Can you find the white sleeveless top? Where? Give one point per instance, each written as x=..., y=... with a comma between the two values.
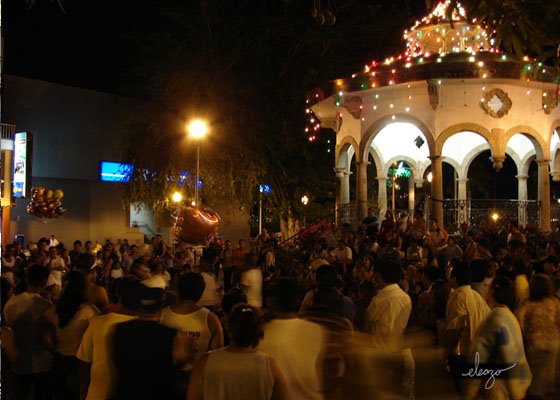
x=193, y=325
x=230, y=375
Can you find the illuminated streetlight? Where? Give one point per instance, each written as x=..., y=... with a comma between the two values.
x=197, y=130
x=304, y=201
x=177, y=197
x=494, y=216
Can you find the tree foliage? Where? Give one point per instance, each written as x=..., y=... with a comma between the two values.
x=522, y=26
x=245, y=67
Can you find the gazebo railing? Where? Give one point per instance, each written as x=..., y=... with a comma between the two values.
x=478, y=211
x=473, y=211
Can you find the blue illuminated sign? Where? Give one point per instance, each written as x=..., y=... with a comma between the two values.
x=21, y=171
x=115, y=172
x=265, y=189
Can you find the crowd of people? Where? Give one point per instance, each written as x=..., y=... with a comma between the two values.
x=325, y=319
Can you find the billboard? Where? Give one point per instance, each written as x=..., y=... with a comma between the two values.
x=110, y=171
x=21, y=172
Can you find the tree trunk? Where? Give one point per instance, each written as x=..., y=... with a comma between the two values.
x=289, y=226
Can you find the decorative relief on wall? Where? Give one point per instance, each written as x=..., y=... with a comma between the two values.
x=353, y=105
x=549, y=100
x=496, y=103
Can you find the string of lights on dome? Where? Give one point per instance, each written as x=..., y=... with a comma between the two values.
x=442, y=45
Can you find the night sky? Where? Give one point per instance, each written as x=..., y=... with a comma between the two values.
x=82, y=47
x=87, y=45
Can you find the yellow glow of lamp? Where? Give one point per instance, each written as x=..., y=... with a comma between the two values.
x=197, y=129
x=495, y=216
x=430, y=177
x=176, y=197
x=304, y=200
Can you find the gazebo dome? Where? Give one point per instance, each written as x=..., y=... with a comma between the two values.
x=446, y=31
x=448, y=97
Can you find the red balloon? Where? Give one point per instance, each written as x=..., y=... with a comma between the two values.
x=194, y=225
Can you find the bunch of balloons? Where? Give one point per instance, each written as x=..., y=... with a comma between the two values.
x=46, y=203
x=194, y=224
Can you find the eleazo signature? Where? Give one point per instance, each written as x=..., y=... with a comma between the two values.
x=477, y=372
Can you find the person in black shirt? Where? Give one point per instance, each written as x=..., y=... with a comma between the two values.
x=146, y=352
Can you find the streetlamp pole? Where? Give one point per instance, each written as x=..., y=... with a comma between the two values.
x=197, y=174
x=260, y=212
x=197, y=130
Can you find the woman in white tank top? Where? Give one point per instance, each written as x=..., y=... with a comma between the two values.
x=238, y=371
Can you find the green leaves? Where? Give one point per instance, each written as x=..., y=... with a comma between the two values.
x=523, y=27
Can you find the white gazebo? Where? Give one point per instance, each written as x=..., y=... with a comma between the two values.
x=448, y=98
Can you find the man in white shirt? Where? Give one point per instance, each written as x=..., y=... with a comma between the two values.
x=297, y=345
x=389, y=311
x=97, y=370
x=24, y=313
x=251, y=283
x=53, y=242
x=342, y=255
x=387, y=317
x=465, y=311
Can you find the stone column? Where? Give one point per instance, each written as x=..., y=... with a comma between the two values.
x=382, y=195
x=411, y=195
x=544, y=195
x=462, y=200
x=522, y=199
x=361, y=189
x=344, y=177
x=437, y=189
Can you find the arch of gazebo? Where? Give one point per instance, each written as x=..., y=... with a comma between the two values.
x=424, y=110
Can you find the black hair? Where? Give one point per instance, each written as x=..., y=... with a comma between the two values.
x=431, y=273
x=191, y=286
x=479, y=269
x=77, y=242
x=389, y=270
x=284, y=295
x=149, y=299
x=505, y=273
x=540, y=287
x=233, y=297
x=555, y=245
x=462, y=273
x=245, y=326
x=328, y=299
x=538, y=267
x=85, y=261
x=366, y=289
x=519, y=267
x=551, y=260
x=326, y=275
x=137, y=263
x=72, y=297
x=127, y=291
x=37, y=275
x=503, y=290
